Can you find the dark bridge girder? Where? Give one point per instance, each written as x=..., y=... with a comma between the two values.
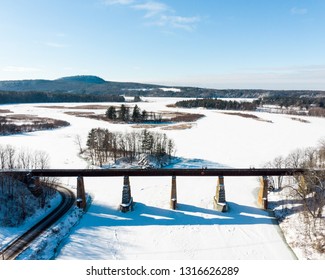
x=158, y=172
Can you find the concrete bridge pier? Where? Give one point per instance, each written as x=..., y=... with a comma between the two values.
x=219, y=199
x=173, y=194
x=302, y=184
x=81, y=194
x=262, y=194
x=127, y=200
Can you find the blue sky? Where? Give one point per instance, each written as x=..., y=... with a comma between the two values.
x=269, y=44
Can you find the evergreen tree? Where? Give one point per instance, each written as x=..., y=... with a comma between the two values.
x=124, y=114
x=147, y=141
x=144, y=115
x=111, y=113
x=136, y=115
x=137, y=98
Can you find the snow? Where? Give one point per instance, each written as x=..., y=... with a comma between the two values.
x=171, y=89
x=194, y=230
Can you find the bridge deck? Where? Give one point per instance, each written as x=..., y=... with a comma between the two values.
x=158, y=172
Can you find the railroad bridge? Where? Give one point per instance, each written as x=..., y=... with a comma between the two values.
x=220, y=203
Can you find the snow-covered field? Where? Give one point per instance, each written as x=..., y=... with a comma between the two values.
x=194, y=230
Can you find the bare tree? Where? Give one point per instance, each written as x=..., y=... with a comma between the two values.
x=78, y=141
x=310, y=158
x=321, y=153
x=278, y=162
x=11, y=156
x=308, y=192
x=3, y=158
x=295, y=159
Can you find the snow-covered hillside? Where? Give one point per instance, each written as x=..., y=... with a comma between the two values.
x=194, y=230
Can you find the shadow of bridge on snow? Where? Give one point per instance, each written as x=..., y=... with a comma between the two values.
x=145, y=215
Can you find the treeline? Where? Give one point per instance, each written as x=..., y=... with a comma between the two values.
x=314, y=106
x=16, y=200
x=311, y=106
x=211, y=103
x=135, y=114
x=104, y=145
x=301, y=102
x=14, y=97
x=7, y=127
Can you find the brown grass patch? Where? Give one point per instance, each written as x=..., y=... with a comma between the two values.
x=180, y=116
x=5, y=111
x=90, y=115
x=80, y=114
x=300, y=120
x=79, y=107
x=52, y=107
x=91, y=107
x=248, y=116
x=178, y=126
x=25, y=118
x=22, y=117
x=147, y=126
x=22, y=123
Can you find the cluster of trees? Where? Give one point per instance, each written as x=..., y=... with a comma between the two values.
x=104, y=145
x=8, y=127
x=306, y=193
x=135, y=114
x=11, y=158
x=316, y=112
x=17, y=201
x=290, y=101
x=314, y=105
x=14, y=97
x=211, y=103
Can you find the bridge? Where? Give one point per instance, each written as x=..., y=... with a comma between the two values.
x=31, y=177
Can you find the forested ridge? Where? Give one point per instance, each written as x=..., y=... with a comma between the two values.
x=14, y=97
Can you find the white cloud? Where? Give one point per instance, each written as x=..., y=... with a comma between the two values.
x=186, y=23
x=298, y=11
x=118, y=2
x=159, y=14
x=20, y=69
x=54, y=45
x=152, y=8
x=162, y=15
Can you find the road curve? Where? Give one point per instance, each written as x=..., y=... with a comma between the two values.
x=22, y=242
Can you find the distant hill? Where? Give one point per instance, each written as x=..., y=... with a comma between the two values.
x=73, y=84
x=93, y=85
x=82, y=79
